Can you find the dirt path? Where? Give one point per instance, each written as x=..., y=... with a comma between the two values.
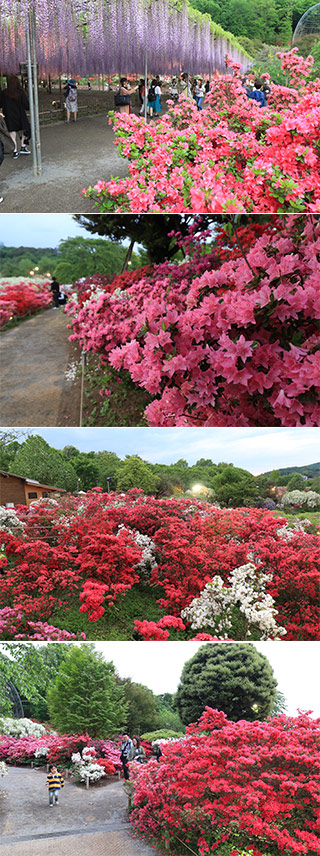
x=74, y=156
x=38, y=365
x=85, y=822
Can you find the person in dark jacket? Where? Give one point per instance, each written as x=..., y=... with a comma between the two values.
x=14, y=103
x=55, y=288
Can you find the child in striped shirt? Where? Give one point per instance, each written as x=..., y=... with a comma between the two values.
x=54, y=784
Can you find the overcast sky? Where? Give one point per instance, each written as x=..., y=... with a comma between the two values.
x=255, y=449
x=38, y=230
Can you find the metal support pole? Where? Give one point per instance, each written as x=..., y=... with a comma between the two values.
x=30, y=93
x=145, y=84
x=35, y=92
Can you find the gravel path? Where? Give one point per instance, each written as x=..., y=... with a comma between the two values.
x=38, y=365
x=86, y=822
x=74, y=156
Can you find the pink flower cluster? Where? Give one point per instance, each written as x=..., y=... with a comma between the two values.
x=232, y=343
x=231, y=156
x=14, y=625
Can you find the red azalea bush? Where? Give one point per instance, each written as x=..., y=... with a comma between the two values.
x=23, y=299
x=231, y=156
x=94, y=555
x=234, y=785
x=228, y=338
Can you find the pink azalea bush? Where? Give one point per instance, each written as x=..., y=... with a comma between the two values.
x=215, y=342
x=57, y=749
x=232, y=156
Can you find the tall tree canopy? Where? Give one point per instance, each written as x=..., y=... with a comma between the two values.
x=234, y=678
x=35, y=459
x=86, y=695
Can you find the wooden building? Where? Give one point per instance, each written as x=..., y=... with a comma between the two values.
x=17, y=490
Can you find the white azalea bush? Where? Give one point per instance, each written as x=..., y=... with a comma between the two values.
x=21, y=727
x=301, y=499
x=9, y=521
x=246, y=589
x=3, y=769
x=148, y=561
x=288, y=531
x=85, y=766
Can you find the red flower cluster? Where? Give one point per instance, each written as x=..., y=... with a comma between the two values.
x=86, y=547
x=23, y=299
x=254, y=785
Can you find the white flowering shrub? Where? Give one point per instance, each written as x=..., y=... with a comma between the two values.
x=85, y=766
x=21, y=727
x=9, y=521
x=287, y=532
x=41, y=752
x=309, y=499
x=246, y=589
x=44, y=501
x=3, y=769
x=148, y=561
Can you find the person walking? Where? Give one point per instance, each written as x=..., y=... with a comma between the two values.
x=54, y=784
x=71, y=96
x=126, y=749
x=14, y=103
x=55, y=289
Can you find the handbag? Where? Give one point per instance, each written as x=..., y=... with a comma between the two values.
x=121, y=99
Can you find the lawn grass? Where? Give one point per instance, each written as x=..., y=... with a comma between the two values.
x=293, y=517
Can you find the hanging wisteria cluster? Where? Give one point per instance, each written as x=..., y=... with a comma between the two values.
x=113, y=36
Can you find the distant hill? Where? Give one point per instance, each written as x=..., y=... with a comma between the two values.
x=310, y=470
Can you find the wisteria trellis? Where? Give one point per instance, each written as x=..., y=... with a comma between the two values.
x=110, y=36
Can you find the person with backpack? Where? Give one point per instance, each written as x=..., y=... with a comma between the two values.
x=122, y=98
x=71, y=96
x=152, y=97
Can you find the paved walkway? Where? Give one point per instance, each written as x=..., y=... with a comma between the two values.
x=86, y=822
x=38, y=365
x=74, y=156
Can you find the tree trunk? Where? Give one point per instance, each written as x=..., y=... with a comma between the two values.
x=128, y=255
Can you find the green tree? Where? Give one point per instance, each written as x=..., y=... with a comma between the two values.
x=296, y=482
x=279, y=705
x=136, y=473
x=234, y=678
x=31, y=670
x=86, y=467
x=152, y=232
x=168, y=714
x=86, y=695
x=235, y=487
x=35, y=459
x=142, y=713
